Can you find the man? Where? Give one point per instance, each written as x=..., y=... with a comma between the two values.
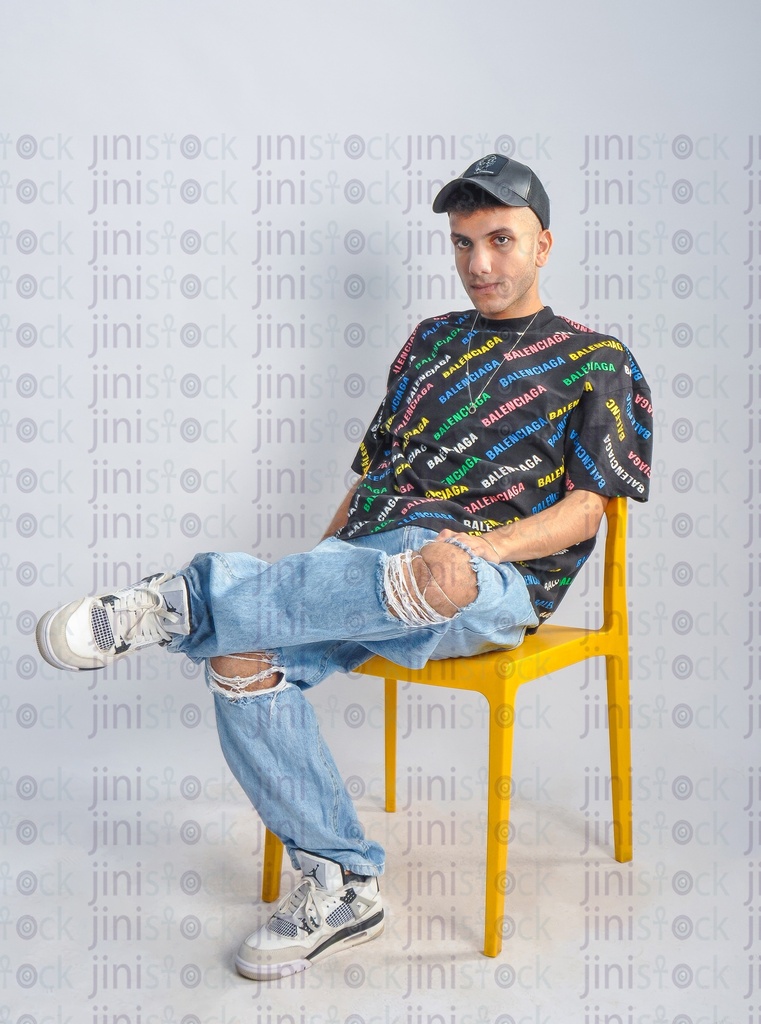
x=483, y=479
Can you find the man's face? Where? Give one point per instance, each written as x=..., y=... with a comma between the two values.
x=498, y=252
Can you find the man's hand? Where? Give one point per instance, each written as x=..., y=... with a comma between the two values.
x=574, y=518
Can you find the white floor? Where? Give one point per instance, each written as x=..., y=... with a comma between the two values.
x=132, y=870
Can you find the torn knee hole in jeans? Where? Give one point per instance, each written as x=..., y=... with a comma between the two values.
x=404, y=597
x=236, y=688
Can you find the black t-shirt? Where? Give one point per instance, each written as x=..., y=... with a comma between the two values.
x=483, y=424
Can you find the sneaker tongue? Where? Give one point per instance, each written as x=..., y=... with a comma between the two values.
x=175, y=594
x=327, y=874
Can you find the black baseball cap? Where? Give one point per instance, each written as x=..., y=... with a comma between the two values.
x=510, y=182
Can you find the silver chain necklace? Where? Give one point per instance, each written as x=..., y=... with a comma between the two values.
x=472, y=407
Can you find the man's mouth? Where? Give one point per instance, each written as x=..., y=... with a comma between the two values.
x=484, y=286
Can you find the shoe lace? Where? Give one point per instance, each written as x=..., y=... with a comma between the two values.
x=139, y=612
x=299, y=907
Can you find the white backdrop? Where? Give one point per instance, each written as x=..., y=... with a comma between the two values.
x=215, y=233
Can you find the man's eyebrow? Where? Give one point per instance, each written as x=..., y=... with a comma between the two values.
x=489, y=234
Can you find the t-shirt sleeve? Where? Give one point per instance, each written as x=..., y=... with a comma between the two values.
x=375, y=440
x=609, y=442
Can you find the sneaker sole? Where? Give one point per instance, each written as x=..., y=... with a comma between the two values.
x=340, y=941
x=46, y=652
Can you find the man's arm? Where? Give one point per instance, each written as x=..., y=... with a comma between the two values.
x=574, y=518
x=341, y=516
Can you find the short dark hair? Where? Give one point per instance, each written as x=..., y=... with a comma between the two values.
x=468, y=198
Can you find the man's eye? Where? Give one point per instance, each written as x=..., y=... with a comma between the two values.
x=461, y=243
x=502, y=239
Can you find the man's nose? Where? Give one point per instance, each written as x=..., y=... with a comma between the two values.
x=480, y=263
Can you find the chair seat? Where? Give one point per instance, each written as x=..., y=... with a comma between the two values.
x=548, y=650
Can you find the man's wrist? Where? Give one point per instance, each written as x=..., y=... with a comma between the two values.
x=489, y=539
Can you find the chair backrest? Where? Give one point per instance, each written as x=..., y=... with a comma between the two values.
x=615, y=610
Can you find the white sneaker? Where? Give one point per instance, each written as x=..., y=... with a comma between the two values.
x=330, y=910
x=94, y=631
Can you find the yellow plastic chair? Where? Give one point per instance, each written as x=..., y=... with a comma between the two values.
x=497, y=676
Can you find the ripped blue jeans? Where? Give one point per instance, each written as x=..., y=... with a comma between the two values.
x=316, y=613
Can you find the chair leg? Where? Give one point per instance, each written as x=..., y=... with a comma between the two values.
x=390, y=705
x=501, y=721
x=272, y=868
x=619, y=729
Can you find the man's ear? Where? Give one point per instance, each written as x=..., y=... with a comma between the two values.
x=543, y=246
